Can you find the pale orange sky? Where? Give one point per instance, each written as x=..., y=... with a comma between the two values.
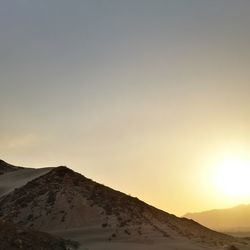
x=144, y=96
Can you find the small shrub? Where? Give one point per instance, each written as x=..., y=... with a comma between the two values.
x=233, y=248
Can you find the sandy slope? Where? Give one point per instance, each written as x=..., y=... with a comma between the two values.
x=10, y=181
x=95, y=239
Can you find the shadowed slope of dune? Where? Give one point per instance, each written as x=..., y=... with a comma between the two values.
x=12, y=177
x=6, y=167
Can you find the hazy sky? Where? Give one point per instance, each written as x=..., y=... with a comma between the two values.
x=141, y=95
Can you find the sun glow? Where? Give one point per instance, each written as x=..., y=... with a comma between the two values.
x=232, y=177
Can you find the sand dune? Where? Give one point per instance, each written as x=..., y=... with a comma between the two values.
x=65, y=203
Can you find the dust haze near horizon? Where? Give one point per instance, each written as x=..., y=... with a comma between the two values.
x=143, y=96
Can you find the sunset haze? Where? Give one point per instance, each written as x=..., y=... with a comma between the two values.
x=149, y=97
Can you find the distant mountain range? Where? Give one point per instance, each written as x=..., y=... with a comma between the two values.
x=229, y=219
x=66, y=204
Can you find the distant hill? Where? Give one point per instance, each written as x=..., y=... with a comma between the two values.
x=230, y=219
x=65, y=203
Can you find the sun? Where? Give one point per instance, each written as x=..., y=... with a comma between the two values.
x=232, y=176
